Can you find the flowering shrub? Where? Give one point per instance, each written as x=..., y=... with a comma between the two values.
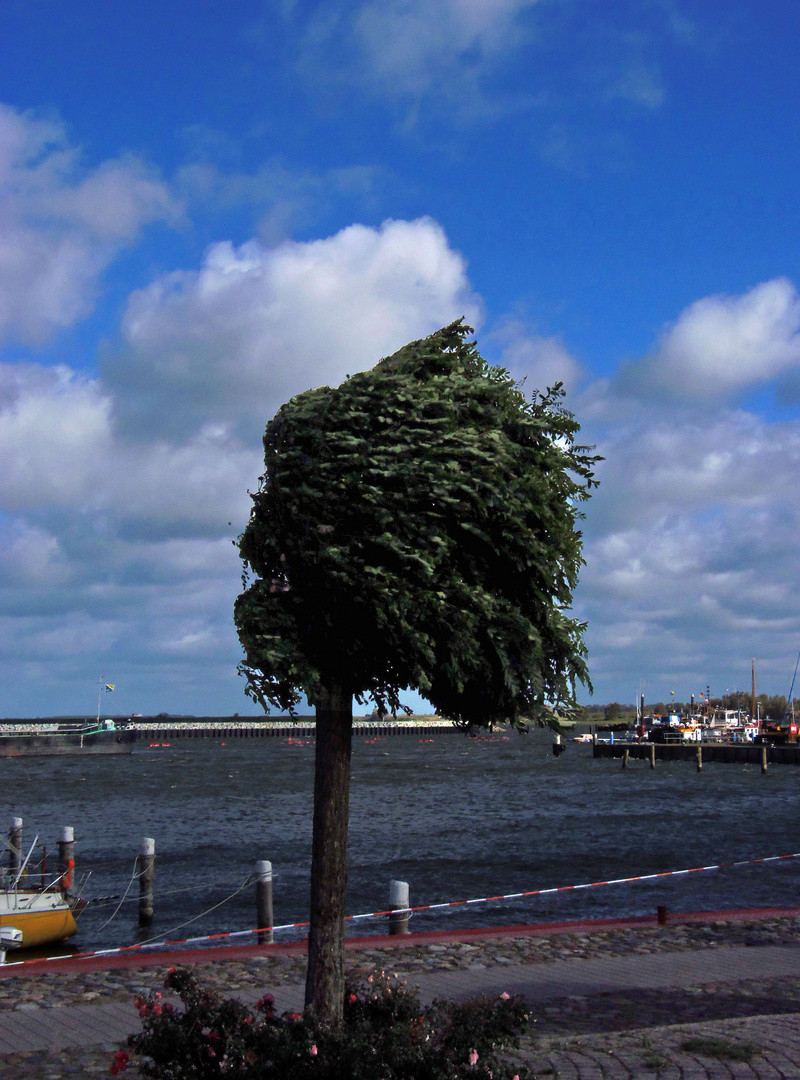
x=386, y=1035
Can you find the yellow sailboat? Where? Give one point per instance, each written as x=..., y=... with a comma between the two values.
x=42, y=914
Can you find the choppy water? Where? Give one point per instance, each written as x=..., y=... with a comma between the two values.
x=455, y=817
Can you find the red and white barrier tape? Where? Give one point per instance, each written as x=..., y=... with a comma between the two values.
x=409, y=910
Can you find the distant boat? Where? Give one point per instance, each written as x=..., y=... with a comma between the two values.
x=91, y=737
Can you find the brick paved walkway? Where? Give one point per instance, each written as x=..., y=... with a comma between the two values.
x=773, y=1041
x=31, y=1039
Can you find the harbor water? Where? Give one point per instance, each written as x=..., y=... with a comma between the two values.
x=457, y=817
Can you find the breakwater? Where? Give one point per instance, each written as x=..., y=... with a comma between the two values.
x=282, y=729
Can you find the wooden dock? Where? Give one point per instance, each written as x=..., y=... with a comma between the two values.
x=741, y=753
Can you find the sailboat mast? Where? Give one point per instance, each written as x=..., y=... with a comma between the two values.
x=99, y=696
x=755, y=718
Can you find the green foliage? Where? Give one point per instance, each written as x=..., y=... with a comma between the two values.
x=722, y=1049
x=773, y=706
x=385, y=1035
x=416, y=527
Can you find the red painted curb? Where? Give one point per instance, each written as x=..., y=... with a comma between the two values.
x=221, y=953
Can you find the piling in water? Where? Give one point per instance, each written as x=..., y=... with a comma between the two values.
x=398, y=899
x=66, y=860
x=147, y=860
x=15, y=845
x=264, y=901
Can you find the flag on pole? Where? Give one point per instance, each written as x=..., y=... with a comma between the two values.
x=109, y=687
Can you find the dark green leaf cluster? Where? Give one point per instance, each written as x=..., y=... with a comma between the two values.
x=416, y=527
x=386, y=1034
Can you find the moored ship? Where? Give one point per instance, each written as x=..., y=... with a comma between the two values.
x=90, y=737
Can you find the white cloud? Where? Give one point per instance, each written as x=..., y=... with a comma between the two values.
x=411, y=51
x=540, y=361
x=692, y=565
x=116, y=540
x=54, y=437
x=640, y=83
x=410, y=44
x=721, y=345
x=60, y=455
x=61, y=224
x=285, y=199
x=29, y=556
x=229, y=343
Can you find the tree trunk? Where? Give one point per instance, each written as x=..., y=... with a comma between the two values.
x=325, y=977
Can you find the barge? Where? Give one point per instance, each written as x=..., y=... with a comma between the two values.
x=48, y=740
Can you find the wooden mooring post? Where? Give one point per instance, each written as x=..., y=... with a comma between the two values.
x=264, y=902
x=147, y=860
x=652, y=755
x=398, y=899
x=625, y=757
x=699, y=757
x=66, y=860
x=15, y=846
x=764, y=765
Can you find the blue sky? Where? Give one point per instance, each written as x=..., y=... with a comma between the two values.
x=207, y=208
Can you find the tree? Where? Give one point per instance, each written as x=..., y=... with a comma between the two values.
x=415, y=527
x=612, y=713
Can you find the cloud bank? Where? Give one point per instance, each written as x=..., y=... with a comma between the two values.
x=722, y=345
x=692, y=567
x=121, y=493
x=228, y=343
x=122, y=488
x=62, y=224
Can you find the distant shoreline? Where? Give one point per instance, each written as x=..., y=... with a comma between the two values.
x=186, y=718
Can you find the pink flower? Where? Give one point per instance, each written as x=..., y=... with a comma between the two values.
x=473, y=1056
x=505, y=996
x=120, y=1063
x=313, y=1051
x=352, y=998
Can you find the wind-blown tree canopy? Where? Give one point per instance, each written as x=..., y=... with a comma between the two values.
x=416, y=527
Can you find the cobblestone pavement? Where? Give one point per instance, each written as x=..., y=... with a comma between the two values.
x=74, y=988
x=759, y=1047
x=586, y=1037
